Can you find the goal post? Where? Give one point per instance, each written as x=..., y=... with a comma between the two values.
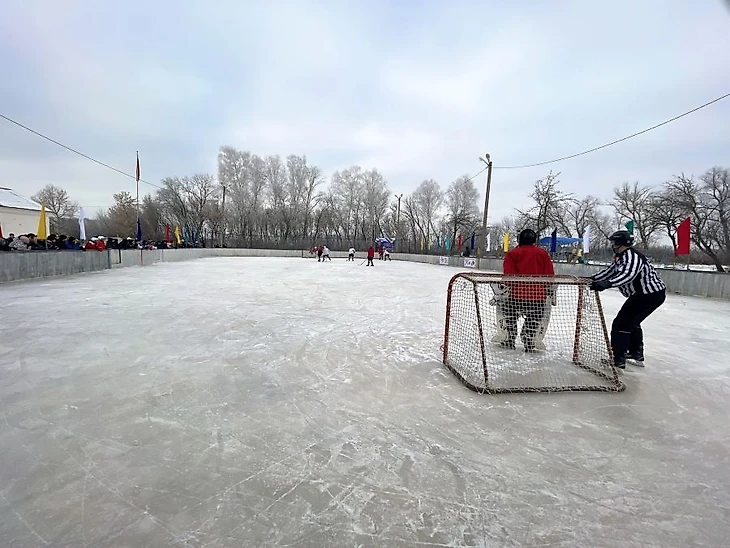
x=508, y=334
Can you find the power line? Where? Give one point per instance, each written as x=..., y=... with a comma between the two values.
x=75, y=151
x=617, y=140
x=523, y=166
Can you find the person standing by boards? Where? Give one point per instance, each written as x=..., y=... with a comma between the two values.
x=638, y=281
x=371, y=256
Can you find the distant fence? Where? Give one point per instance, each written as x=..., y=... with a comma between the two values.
x=16, y=266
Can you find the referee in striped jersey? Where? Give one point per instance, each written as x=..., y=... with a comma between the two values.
x=644, y=290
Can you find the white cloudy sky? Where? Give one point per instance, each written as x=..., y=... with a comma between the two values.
x=418, y=89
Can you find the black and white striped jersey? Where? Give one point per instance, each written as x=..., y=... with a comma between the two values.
x=631, y=273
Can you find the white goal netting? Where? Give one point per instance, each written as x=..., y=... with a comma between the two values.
x=527, y=334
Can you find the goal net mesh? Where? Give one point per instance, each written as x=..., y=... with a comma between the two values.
x=527, y=334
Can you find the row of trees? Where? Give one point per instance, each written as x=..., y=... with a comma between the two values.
x=286, y=202
x=655, y=211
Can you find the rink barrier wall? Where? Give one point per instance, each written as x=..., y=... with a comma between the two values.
x=40, y=264
x=15, y=266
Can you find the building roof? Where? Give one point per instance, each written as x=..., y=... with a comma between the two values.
x=10, y=198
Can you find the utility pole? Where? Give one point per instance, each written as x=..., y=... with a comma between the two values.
x=223, y=217
x=397, y=220
x=483, y=237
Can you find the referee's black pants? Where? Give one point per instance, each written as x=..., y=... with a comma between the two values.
x=626, y=332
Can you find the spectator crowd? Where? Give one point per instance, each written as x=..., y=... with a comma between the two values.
x=30, y=242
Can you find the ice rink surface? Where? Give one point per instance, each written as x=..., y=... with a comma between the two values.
x=248, y=402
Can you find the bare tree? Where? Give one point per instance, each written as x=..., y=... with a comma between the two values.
x=184, y=202
x=58, y=204
x=550, y=206
x=346, y=188
x=669, y=209
x=706, y=202
x=303, y=181
x=579, y=215
x=375, y=202
x=636, y=203
x=462, y=212
x=151, y=219
x=121, y=218
x=424, y=205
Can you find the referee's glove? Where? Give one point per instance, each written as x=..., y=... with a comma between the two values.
x=600, y=285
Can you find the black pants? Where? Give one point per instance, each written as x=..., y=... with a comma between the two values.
x=532, y=311
x=370, y=262
x=350, y=257
x=626, y=332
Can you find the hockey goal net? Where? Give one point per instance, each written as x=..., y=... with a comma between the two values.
x=527, y=334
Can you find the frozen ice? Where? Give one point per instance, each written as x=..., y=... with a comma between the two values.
x=255, y=401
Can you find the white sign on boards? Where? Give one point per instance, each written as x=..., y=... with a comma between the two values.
x=444, y=260
x=470, y=262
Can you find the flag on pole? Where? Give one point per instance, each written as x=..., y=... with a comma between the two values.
x=42, y=230
x=554, y=241
x=82, y=224
x=177, y=235
x=683, y=236
x=139, y=230
x=167, y=233
x=137, y=172
x=587, y=239
x=447, y=243
x=489, y=242
x=473, y=240
x=505, y=242
x=630, y=226
x=459, y=241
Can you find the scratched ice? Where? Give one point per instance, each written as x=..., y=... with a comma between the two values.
x=241, y=402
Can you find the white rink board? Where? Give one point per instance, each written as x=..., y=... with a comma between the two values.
x=254, y=401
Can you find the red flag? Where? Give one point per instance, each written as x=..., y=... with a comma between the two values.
x=1, y=231
x=459, y=241
x=137, y=173
x=683, y=237
x=167, y=233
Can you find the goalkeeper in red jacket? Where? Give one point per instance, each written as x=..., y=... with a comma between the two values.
x=527, y=299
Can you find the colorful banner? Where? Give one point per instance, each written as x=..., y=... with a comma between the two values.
x=684, y=232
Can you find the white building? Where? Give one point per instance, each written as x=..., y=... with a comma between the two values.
x=18, y=214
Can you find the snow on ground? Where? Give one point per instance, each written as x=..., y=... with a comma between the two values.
x=232, y=402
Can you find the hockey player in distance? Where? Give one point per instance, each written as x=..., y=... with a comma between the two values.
x=351, y=254
x=386, y=255
x=531, y=300
x=326, y=254
x=371, y=256
x=644, y=290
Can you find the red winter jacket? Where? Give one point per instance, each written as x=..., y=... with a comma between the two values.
x=528, y=260
x=371, y=252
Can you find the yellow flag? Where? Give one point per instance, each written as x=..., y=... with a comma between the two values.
x=42, y=230
x=177, y=235
x=505, y=242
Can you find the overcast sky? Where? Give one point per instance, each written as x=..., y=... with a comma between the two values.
x=417, y=89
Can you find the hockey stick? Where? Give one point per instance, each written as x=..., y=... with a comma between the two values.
x=362, y=263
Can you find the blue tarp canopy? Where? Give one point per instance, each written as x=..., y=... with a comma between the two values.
x=385, y=243
x=560, y=241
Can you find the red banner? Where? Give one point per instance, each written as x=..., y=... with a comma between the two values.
x=683, y=237
x=168, y=239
